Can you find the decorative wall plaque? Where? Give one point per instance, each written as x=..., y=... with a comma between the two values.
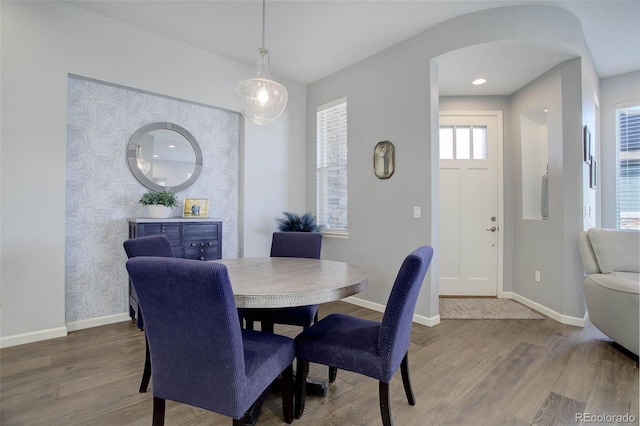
x=384, y=160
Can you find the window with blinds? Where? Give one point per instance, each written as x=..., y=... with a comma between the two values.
x=628, y=167
x=332, y=166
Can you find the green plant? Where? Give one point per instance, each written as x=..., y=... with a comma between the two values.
x=294, y=222
x=166, y=198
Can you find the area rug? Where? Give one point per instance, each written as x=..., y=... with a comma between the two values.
x=467, y=308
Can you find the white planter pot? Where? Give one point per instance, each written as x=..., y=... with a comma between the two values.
x=159, y=211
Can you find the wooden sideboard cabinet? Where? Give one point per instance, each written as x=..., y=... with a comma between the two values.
x=199, y=239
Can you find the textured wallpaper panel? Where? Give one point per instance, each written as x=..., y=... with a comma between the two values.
x=102, y=193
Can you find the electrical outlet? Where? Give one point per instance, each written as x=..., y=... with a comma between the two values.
x=537, y=276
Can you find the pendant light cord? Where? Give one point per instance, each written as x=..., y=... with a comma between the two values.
x=264, y=8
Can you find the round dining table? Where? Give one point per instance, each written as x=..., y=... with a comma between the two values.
x=280, y=282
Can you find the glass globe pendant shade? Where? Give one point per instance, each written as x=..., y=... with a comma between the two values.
x=260, y=99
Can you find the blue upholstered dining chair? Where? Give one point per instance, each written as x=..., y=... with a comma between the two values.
x=372, y=348
x=199, y=353
x=288, y=244
x=152, y=245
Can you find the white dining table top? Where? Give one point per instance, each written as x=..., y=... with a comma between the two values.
x=278, y=282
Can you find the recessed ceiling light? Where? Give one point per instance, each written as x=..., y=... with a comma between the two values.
x=172, y=146
x=479, y=81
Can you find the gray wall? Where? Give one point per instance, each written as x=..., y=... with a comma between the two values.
x=550, y=246
x=393, y=96
x=41, y=44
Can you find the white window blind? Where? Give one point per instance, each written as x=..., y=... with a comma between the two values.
x=332, y=166
x=628, y=167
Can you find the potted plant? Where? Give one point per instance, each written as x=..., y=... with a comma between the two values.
x=294, y=222
x=159, y=203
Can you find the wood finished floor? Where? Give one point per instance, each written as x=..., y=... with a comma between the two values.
x=464, y=372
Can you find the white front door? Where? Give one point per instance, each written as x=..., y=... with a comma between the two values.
x=469, y=207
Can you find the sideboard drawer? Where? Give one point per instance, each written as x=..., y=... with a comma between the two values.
x=171, y=230
x=199, y=231
x=202, y=253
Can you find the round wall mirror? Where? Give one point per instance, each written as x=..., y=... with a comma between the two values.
x=164, y=156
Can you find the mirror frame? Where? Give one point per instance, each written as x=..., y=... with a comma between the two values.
x=132, y=156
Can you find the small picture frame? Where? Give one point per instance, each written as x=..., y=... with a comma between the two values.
x=384, y=160
x=586, y=146
x=593, y=173
x=196, y=208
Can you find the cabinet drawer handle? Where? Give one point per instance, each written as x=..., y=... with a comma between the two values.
x=201, y=250
x=210, y=243
x=193, y=244
x=201, y=257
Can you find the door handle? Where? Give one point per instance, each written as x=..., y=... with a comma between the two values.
x=492, y=229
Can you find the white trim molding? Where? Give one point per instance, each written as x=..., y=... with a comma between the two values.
x=563, y=319
x=420, y=319
x=32, y=337
x=54, y=333
x=97, y=322
x=431, y=321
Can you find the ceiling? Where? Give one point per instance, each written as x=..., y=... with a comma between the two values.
x=310, y=39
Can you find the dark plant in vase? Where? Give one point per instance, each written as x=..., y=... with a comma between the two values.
x=293, y=222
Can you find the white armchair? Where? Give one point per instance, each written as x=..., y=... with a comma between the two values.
x=611, y=260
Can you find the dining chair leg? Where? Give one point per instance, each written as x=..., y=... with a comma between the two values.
x=237, y=422
x=158, y=411
x=287, y=394
x=406, y=381
x=302, y=369
x=333, y=373
x=385, y=406
x=146, y=373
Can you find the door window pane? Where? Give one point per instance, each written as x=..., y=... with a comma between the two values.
x=463, y=142
x=446, y=143
x=480, y=143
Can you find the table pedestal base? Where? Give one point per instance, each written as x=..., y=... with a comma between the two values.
x=316, y=387
x=251, y=416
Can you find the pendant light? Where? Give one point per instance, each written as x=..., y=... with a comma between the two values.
x=261, y=100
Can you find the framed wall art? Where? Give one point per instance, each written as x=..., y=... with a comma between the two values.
x=384, y=160
x=586, y=145
x=196, y=208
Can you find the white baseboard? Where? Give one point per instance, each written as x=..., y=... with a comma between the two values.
x=563, y=319
x=420, y=319
x=97, y=322
x=32, y=337
x=431, y=321
x=53, y=333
